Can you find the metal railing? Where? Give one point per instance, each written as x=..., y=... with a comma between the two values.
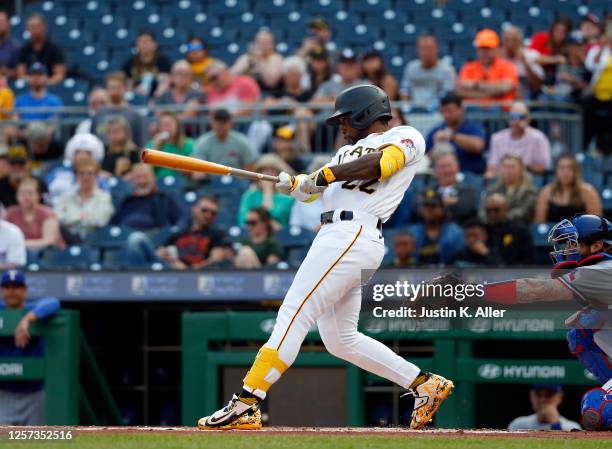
x=562, y=122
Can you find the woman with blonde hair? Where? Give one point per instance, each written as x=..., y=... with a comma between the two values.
x=567, y=195
x=87, y=208
x=121, y=151
x=516, y=185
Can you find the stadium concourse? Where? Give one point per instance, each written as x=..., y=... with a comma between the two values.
x=514, y=99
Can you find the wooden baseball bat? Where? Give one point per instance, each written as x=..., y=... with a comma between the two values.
x=186, y=163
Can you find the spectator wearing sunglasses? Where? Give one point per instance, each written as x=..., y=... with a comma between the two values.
x=529, y=143
x=260, y=247
x=198, y=58
x=201, y=244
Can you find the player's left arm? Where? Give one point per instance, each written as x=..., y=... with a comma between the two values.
x=527, y=290
x=381, y=164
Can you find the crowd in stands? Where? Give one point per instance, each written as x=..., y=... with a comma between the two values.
x=476, y=199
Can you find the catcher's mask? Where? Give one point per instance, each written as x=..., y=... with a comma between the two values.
x=564, y=239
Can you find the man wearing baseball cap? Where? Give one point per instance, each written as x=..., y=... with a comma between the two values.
x=545, y=400
x=489, y=78
x=349, y=72
x=22, y=402
x=37, y=96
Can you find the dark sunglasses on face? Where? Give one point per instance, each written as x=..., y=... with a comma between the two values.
x=206, y=210
x=515, y=116
x=252, y=222
x=492, y=210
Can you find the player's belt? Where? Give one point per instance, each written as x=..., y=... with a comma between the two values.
x=345, y=215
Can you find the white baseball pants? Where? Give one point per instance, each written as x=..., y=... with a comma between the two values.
x=327, y=290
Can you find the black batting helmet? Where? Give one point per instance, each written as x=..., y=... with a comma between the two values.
x=364, y=104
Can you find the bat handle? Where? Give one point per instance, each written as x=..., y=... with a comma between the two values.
x=253, y=176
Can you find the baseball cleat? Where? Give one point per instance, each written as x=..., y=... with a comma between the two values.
x=236, y=415
x=427, y=398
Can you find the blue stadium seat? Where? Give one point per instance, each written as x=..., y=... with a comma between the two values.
x=539, y=234
x=408, y=33
x=48, y=9
x=235, y=233
x=117, y=37
x=352, y=36
x=104, y=24
x=188, y=200
x=228, y=7
x=246, y=25
x=153, y=21
x=471, y=179
x=135, y=8
x=274, y=8
x=160, y=236
x=197, y=24
x=171, y=183
x=73, y=257
x=295, y=256
x=181, y=10
x=96, y=8
x=119, y=189
x=109, y=237
x=224, y=186
x=466, y=6
x=323, y=8
x=412, y=6
x=295, y=236
x=369, y=6
x=606, y=200
x=73, y=92
x=594, y=178
x=219, y=35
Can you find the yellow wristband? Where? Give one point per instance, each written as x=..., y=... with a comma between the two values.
x=329, y=175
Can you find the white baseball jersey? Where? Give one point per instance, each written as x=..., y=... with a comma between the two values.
x=378, y=198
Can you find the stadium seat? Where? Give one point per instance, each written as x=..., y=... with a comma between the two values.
x=109, y=237
x=160, y=236
x=274, y=8
x=73, y=257
x=73, y=92
x=119, y=189
x=228, y=7
x=224, y=186
x=606, y=200
x=295, y=256
x=324, y=8
x=135, y=8
x=295, y=236
x=171, y=183
x=369, y=6
x=539, y=234
x=181, y=10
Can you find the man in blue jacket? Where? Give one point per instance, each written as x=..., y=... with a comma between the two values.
x=23, y=402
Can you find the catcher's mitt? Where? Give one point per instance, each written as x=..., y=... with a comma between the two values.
x=438, y=292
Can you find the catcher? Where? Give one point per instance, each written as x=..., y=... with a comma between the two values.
x=582, y=253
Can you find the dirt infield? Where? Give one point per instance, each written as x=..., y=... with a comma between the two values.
x=349, y=431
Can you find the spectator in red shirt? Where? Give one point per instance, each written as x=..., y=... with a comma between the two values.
x=230, y=91
x=551, y=46
x=490, y=77
x=38, y=222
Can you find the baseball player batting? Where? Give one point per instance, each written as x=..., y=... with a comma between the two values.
x=360, y=188
x=582, y=253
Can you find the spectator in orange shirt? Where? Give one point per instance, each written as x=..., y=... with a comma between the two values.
x=490, y=77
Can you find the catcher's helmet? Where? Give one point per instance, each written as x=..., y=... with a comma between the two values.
x=584, y=228
x=364, y=104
